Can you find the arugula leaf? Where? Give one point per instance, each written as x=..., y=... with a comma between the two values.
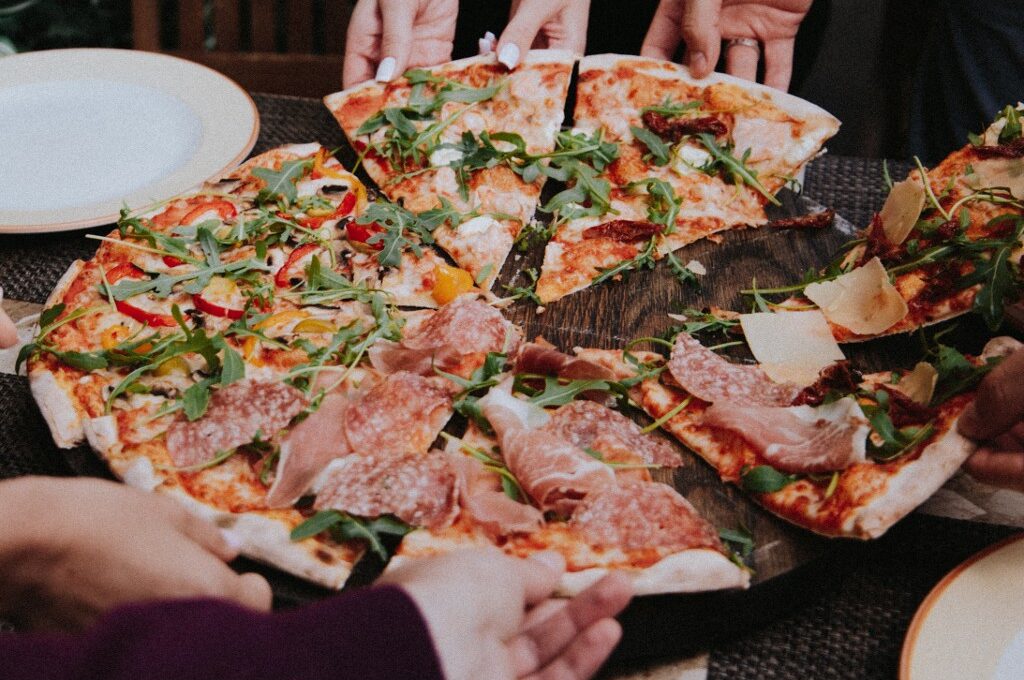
x=346, y=527
x=659, y=152
x=529, y=291
x=232, y=366
x=955, y=373
x=1012, y=128
x=642, y=260
x=196, y=399
x=739, y=539
x=281, y=183
x=684, y=275
x=671, y=109
x=403, y=228
x=764, y=479
x=999, y=285
x=162, y=284
x=556, y=393
x=722, y=160
x=662, y=203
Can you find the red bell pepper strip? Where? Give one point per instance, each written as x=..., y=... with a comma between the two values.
x=361, y=233
x=128, y=270
x=172, y=261
x=204, y=305
x=225, y=209
x=284, y=274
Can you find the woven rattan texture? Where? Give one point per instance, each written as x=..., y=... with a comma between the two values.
x=855, y=631
x=25, y=444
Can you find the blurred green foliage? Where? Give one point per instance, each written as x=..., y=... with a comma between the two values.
x=27, y=25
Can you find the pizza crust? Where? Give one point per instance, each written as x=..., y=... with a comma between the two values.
x=58, y=408
x=689, y=571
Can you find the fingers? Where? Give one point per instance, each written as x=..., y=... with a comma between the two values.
x=398, y=18
x=585, y=655
x=555, y=635
x=570, y=32
x=701, y=33
x=254, y=592
x=778, y=63
x=486, y=43
x=741, y=60
x=998, y=468
x=999, y=402
x=663, y=36
x=8, y=331
x=524, y=25
x=540, y=575
x=360, y=43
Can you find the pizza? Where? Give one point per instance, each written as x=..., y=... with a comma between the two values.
x=846, y=455
x=946, y=242
x=470, y=137
x=684, y=159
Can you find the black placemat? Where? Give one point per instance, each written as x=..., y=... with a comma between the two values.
x=26, y=447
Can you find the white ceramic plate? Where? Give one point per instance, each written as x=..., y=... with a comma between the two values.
x=971, y=626
x=85, y=131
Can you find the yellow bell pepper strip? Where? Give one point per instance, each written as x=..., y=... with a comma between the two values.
x=450, y=283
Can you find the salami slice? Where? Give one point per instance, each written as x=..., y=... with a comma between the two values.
x=640, y=515
x=404, y=412
x=236, y=414
x=590, y=425
x=418, y=488
x=712, y=378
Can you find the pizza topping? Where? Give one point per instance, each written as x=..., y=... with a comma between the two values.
x=798, y=439
x=221, y=297
x=920, y=383
x=418, y=488
x=534, y=357
x=1014, y=149
x=481, y=494
x=818, y=220
x=862, y=300
x=674, y=129
x=838, y=378
x=236, y=415
x=791, y=346
x=902, y=209
x=404, y=412
x=292, y=267
x=555, y=473
x=449, y=283
x=626, y=231
x=904, y=410
x=589, y=425
x=712, y=378
x=643, y=515
x=308, y=448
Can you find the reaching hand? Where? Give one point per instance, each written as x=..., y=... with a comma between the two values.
x=70, y=550
x=543, y=24
x=475, y=602
x=703, y=24
x=996, y=419
x=8, y=331
x=386, y=37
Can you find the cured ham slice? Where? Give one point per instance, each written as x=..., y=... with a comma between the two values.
x=235, y=415
x=554, y=472
x=639, y=515
x=799, y=439
x=418, y=488
x=590, y=425
x=712, y=378
x=535, y=357
x=464, y=327
x=481, y=496
x=404, y=412
x=308, y=448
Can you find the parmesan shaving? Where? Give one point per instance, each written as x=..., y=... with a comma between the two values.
x=791, y=346
x=696, y=267
x=919, y=384
x=862, y=300
x=901, y=209
x=998, y=172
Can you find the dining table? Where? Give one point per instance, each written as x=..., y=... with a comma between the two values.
x=847, y=620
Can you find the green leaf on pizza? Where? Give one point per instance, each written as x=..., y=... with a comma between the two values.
x=377, y=533
x=764, y=479
x=557, y=393
x=658, y=152
x=732, y=168
x=280, y=184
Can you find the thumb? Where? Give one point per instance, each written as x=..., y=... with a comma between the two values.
x=999, y=401
x=253, y=591
x=702, y=36
x=517, y=38
x=398, y=18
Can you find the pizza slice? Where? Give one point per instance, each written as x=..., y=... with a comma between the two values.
x=846, y=455
x=541, y=467
x=468, y=137
x=937, y=249
x=694, y=157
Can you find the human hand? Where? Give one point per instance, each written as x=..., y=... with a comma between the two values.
x=996, y=419
x=386, y=37
x=72, y=549
x=703, y=24
x=8, y=331
x=543, y=24
x=475, y=605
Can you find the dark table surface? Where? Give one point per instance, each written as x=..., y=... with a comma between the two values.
x=849, y=623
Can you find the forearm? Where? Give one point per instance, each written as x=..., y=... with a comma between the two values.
x=374, y=633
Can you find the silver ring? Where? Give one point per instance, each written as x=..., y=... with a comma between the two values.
x=746, y=42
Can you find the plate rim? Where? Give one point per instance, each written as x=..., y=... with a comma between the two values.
x=936, y=593
x=108, y=218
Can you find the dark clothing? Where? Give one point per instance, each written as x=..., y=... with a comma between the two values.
x=366, y=634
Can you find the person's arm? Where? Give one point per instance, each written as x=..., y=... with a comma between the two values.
x=8, y=331
x=996, y=420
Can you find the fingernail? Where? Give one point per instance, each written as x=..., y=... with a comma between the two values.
x=550, y=559
x=386, y=70
x=698, y=63
x=233, y=540
x=509, y=55
x=484, y=46
x=490, y=37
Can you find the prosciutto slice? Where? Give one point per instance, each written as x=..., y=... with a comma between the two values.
x=418, y=488
x=465, y=326
x=640, y=515
x=554, y=472
x=404, y=412
x=235, y=415
x=799, y=439
x=481, y=496
x=535, y=357
x=712, y=378
x=590, y=425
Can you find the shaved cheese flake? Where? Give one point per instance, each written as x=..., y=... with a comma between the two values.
x=696, y=267
x=998, y=172
x=919, y=384
x=901, y=209
x=862, y=300
x=791, y=346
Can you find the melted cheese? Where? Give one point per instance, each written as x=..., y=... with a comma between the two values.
x=863, y=300
x=901, y=209
x=791, y=346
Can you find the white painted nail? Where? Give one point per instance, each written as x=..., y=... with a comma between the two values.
x=490, y=37
x=386, y=70
x=484, y=46
x=233, y=540
x=509, y=55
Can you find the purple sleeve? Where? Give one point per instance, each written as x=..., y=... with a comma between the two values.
x=367, y=634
